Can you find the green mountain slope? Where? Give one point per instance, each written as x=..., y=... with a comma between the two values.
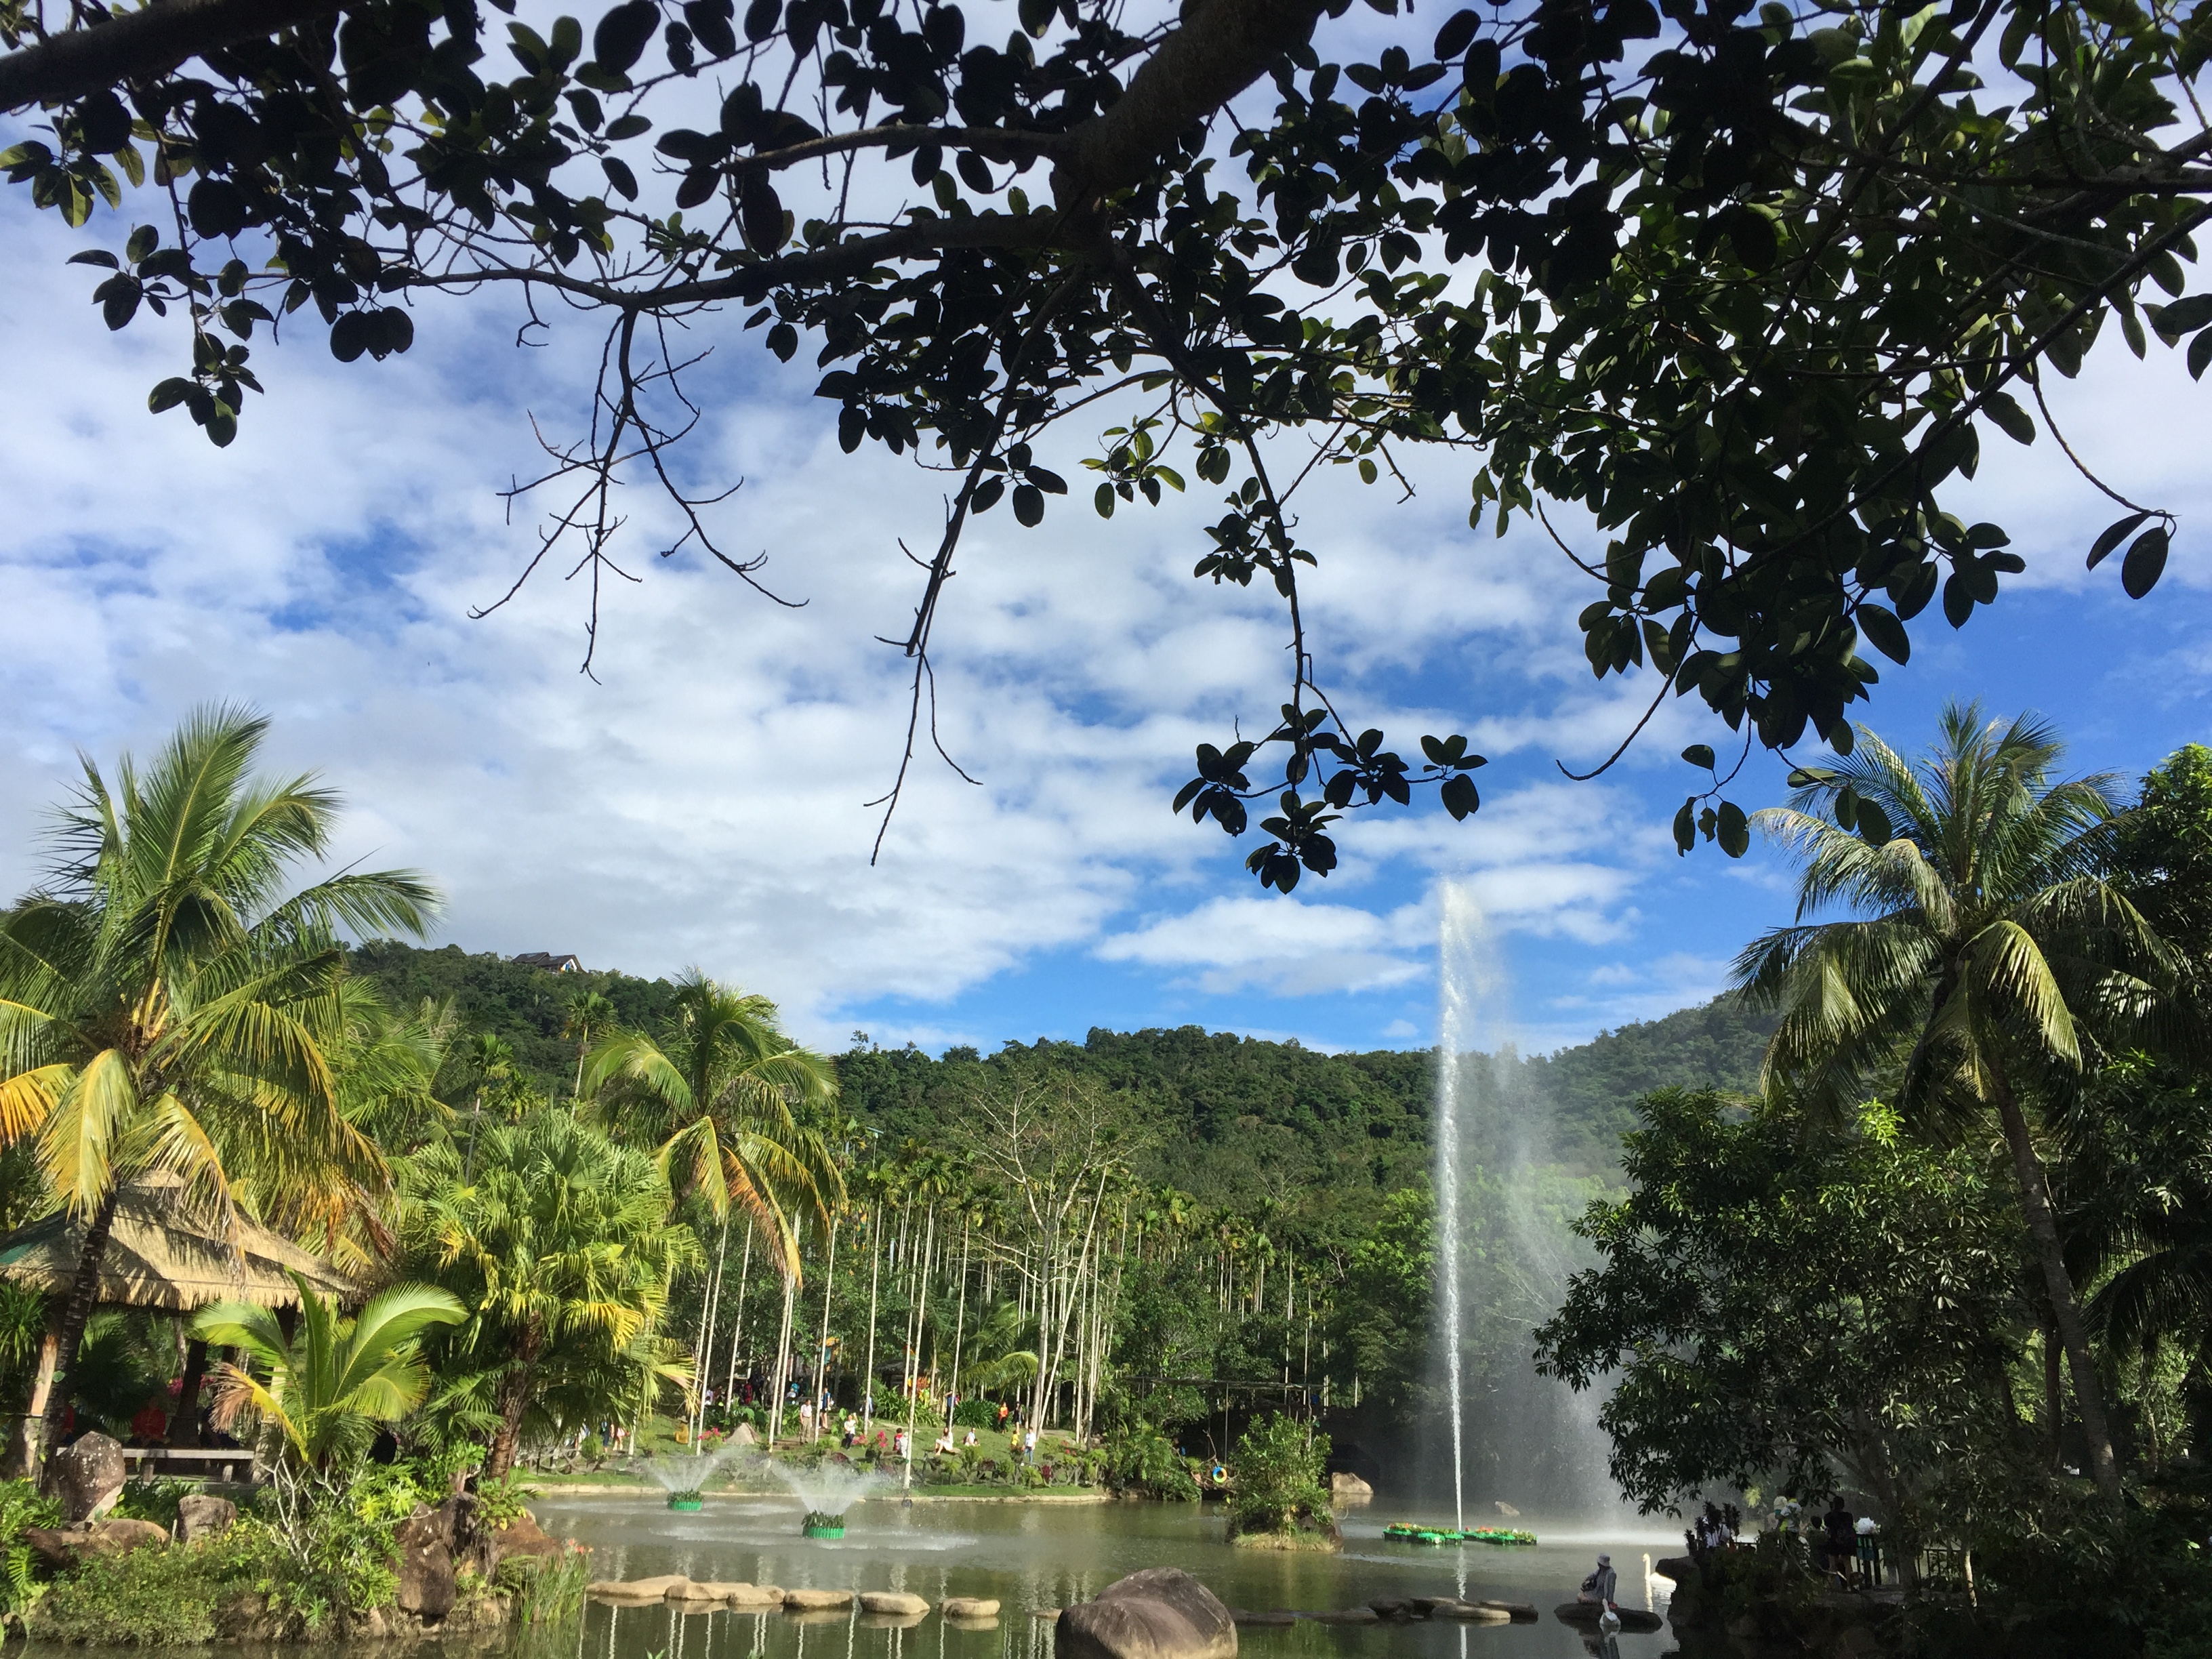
x=1228, y=1118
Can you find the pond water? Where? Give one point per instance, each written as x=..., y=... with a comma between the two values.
x=1032, y=1557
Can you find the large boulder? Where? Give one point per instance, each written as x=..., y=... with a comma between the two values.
x=87, y=1477
x=970, y=1607
x=64, y=1547
x=1345, y=1487
x=1162, y=1613
x=199, y=1516
x=524, y=1536
x=816, y=1601
x=744, y=1436
x=425, y=1541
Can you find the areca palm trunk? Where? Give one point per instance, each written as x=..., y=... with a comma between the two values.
x=822, y=1348
x=738, y=1322
x=782, y=1360
x=875, y=1279
x=84, y=1292
x=2058, y=1285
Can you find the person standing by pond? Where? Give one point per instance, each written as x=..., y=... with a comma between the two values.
x=1839, y=1529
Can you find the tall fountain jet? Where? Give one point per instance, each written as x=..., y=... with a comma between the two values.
x=1504, y=1200
x=1457, y=985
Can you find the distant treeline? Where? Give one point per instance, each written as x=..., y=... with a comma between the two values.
x=1226, y=1117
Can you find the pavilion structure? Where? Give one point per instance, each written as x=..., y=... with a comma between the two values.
x=164, y=1254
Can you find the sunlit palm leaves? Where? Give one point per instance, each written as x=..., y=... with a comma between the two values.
x=554, y=1236
x=323, y=1390
x=729, y=1097
x=164, y=1003
x=1989, y=957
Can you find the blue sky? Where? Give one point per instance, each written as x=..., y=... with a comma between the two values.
x=703, y=802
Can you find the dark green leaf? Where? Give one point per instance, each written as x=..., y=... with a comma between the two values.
x=2144, y=563
x=1699, y=754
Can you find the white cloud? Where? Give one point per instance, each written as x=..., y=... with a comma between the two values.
x=1287, y=946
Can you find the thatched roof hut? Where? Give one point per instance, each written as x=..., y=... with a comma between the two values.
x=164, y=1255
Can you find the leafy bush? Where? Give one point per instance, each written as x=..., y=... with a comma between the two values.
x=500, y=1502
x=153, y=1498
x=1277, y=1480
x=976, y=1413
x=152, y=1598
x=21, y=1506
x=1140, y=1458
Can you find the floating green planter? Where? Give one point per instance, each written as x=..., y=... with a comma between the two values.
x=1406, y=1532
x=820, y=1523
x=690, y=1502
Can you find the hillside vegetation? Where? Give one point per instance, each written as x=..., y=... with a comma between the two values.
x=1225, y=1118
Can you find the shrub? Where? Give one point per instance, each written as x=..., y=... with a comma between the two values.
x=21, y=1506
x=152, y=1497
x=151, y=1597
x=593, y=1450
x=1277, y=1480
x=976, y=1413
x=1140, y=1458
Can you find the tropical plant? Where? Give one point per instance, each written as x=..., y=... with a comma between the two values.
x=325, y=1388
x=722, y=1090
x=1277, y=1480
x=164, y=1004
x=1805, y=1305
x=1990, y=954
x=559, y=1244
x=996, y=1360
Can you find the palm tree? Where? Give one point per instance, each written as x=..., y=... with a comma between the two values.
x=589, y=1014
x=996, y=1361
x=556, y=1237
x=332, y=1381
x=1989, y=953
x=723, y=1091
x=165, y=1005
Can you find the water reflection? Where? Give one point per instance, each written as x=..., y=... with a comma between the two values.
x=1034, y=1559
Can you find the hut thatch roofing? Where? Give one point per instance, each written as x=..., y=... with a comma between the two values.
x=163, y=1254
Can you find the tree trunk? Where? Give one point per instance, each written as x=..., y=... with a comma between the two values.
x=23, y=1455
x=822, y=1348
x=84, y=1292
x=514, y=1400
x=2058, y=1284
x=184, y=1421
x=2054, y=1393
x=782, y=1361
x=875, y=1277
x=738, y=1322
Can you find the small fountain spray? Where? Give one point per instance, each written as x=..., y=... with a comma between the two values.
x=684, y=1475
x=828, y=1492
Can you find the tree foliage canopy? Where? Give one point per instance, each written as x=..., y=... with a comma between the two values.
x=1742, y=290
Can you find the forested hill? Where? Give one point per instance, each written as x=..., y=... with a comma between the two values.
x=1222, y=1116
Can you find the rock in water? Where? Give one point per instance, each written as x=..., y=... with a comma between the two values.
x=635, y=1590
x=199, y=1516
x=970, y=1607
x=816, y=1601
x=1345, y=1487
x=87, y=1477
x=896, y=1603
x=425, y=1541
x=1162, y=1613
